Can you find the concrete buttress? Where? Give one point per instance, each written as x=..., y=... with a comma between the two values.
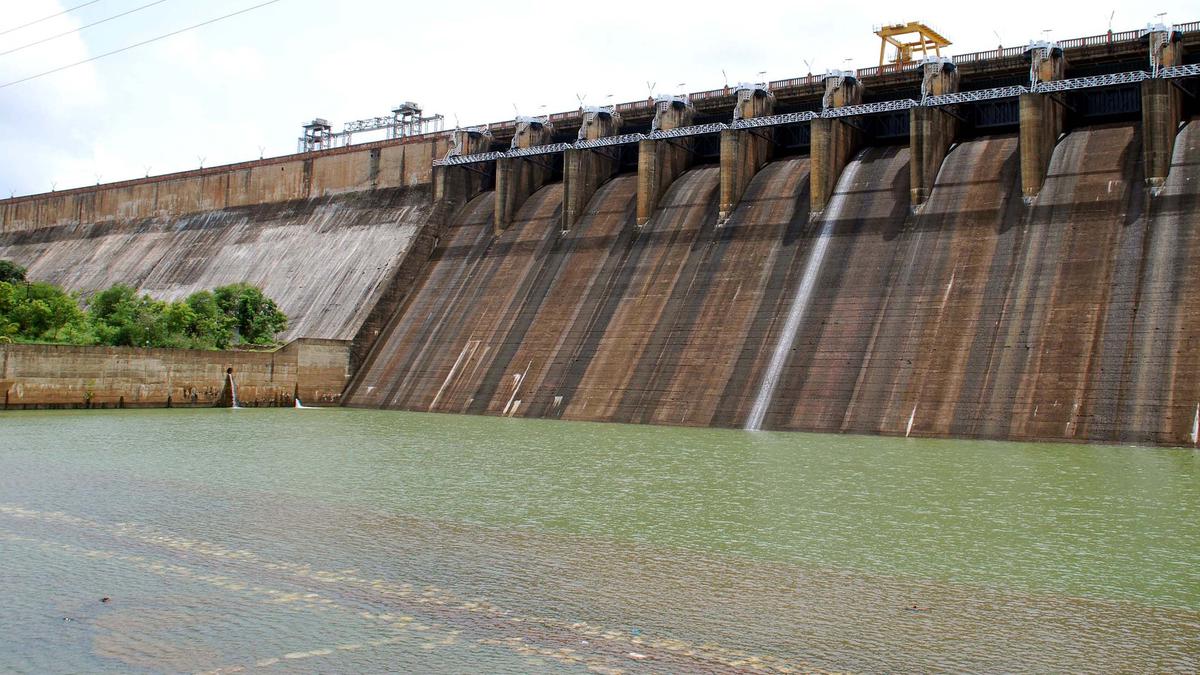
x=931, y=130
x=584, y=171
x=1041, y=118
x=744, y=152
x=834, y=141
x=454, y=186
x=519, y=177
x=1162, y=107
x=661, y=162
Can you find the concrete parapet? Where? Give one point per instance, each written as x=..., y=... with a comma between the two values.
x=931, y=131
x=584, y=171
x=834, y=141
x=661, y=162
x=517, y=177
x=744, y=152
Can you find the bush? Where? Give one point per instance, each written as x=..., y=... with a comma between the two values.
x=256, y=318
x=118, y=316
x=39, y=312
x=11, y=272
x=122, y=318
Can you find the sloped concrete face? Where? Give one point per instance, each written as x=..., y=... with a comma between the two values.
x=325, y=261
x=977, y=316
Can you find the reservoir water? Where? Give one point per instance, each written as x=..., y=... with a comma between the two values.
x=338, y=540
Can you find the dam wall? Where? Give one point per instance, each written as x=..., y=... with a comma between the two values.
x=1069, y=317
x=64, y=376
x=295, y=177
x=324, y=235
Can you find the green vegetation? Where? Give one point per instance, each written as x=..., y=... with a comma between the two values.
x=11, y=272
x=229, y=316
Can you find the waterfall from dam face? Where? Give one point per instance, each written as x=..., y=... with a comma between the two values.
x=233, y=399
x=766, y=390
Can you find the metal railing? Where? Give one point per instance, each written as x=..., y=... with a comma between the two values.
x=683, y=132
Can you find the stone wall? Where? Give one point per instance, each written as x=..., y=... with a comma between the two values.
x=64, y=376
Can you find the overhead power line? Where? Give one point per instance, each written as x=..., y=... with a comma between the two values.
x=94, y=23
x=47, y=18
x=139, y=44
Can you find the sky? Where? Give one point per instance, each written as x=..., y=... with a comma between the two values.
x=241, y=88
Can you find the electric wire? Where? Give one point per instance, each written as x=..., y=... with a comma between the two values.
x=94, y=23
x=139, y=44
x=47, y=18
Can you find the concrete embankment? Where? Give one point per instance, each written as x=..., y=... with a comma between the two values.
x=61, y=376
x=1070, y=318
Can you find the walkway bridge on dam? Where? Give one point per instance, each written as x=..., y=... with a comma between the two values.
x=931, y=101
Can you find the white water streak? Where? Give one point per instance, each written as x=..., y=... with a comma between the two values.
x=520, y=379
x=1196, y=426
x=233, y=391
x=469, y=347
x=812, y=269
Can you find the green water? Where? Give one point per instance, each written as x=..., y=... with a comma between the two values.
x=277, y=539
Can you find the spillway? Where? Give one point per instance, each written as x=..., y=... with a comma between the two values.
x=795, y=315
x=973, y=315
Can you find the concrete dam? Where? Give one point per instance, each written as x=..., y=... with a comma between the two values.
x=1011, y=255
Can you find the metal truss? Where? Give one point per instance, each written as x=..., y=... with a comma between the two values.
x=623, y=139
x=1090, y=82
x=869, y=108
x=1190, y=70
x=538, y=150
x=775, y=120
x=370, y=124
x=458, y=160
x=683, y=132
x=974, y=96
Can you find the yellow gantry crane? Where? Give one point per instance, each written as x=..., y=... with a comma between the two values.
x=900, y=36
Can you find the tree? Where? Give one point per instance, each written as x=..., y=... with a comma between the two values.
x=38, y=312
x=11, y=272
x=120, y=317
x=256, y=318
x=211, y=327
